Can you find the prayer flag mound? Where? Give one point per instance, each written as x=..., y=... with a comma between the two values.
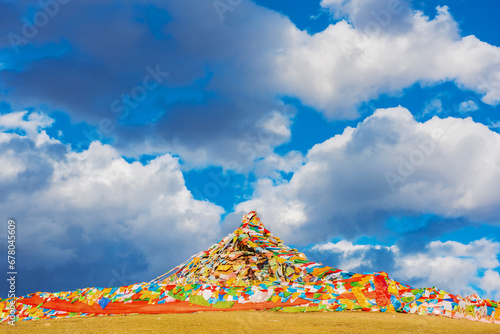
x=247, y=270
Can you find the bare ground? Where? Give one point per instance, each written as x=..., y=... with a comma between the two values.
x=254, y=322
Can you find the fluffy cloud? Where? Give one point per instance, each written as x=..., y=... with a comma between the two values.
x=452, y=266
x=211, y=109
x=433, y=107
x=357, y=258
x=371, y=14
x=29, y=122
x=490, y=282
x=274, y=165
x=468, y=106
x=389, y=165
x=238, y=66
x=96, y=211
x=344, y=65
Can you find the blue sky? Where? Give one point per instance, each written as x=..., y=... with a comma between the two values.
x=364, y=132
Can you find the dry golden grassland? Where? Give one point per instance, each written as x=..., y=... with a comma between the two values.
x=255, y=322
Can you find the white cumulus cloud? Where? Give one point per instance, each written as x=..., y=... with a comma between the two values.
x=347, y=64
x=468, y=106
x=239, y=69
x=452, y=266
x=388, y=165
x=85, y=207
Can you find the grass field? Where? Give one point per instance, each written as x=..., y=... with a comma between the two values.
x=255, y=322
